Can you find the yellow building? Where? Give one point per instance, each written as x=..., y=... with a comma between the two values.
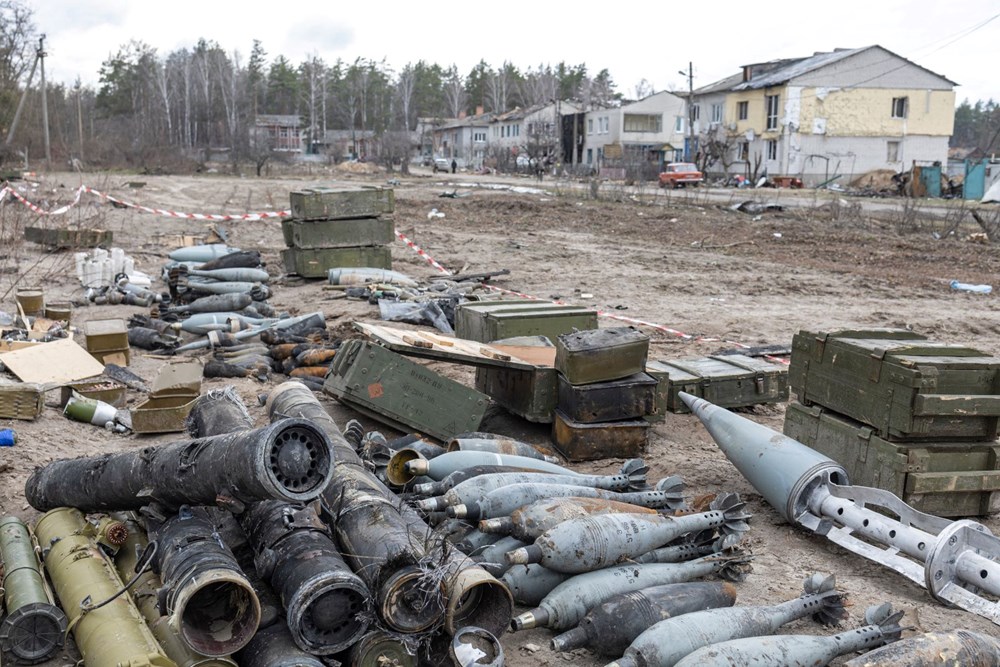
x=846, y=112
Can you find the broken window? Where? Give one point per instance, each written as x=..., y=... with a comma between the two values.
x=892, y=151
x=900, y=106
x=743, y=149
x=772, y=149
x=772, y=112
x=742, y=109
x=716, y=113
x=643, y=122
x=695, y=112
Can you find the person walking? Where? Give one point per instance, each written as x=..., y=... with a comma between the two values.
x=454, y=165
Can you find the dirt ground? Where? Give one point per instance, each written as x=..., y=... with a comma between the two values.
x=719, y=277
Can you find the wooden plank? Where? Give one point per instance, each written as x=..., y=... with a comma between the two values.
x=953, y=482
x=959, y=406
x=52, y=363
x=444, y=348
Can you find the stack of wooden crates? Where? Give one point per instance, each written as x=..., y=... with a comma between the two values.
x=901, y=413
x=338, y=228
x=603, y=394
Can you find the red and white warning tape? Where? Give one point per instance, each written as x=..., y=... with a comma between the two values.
x=216, y=217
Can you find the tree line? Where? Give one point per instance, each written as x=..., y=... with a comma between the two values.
x=977, y=125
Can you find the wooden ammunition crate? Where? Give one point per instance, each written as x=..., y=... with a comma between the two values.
x=352, y=232
x=68, y=238
x=340, y=203
x=21, y=401
x=729, y=381
x=489, y=321
x=317, y=262
x=577, y=441
x=628, y=398
x=107, y=340
x=600, y=355
x=942, y=478
x=531, y=394
x=402, y=393
x=903, y=386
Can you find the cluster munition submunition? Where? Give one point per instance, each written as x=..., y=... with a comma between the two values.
x=667, y=642
x=958, y=562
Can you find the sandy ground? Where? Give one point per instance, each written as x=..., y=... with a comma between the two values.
x=717, y=276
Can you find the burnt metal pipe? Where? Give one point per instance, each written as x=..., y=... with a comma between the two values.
x=290, y=460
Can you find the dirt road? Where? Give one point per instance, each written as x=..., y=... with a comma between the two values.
x=717, y=277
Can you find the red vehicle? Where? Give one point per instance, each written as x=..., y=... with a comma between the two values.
x=680, y=174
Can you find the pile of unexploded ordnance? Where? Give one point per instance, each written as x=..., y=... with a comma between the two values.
x=299, y=544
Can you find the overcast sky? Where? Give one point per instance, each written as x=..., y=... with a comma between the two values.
x=634, y=40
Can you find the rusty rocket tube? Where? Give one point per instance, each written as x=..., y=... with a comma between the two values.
x=290, y=460
x=144, y=592
x=958, y=647
x=34, y=627
x=107, y=627
x=324, y=599
x=667, y=642
x=274, y=647
x=610, y=627
x=594, y=542
x=800, y=650
x=208, y=599
x=570, y=601
x=633, y=475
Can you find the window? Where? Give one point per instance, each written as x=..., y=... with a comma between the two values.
x=772, y=112
x=479, y=136
x=603, y=125
x=743, y=149
x=590, y=156
x=531, y=128
x=742, y=110
x=517, y=130
x=892, y=151
x=716, y=113
x=642, y=122
x=772, y=149
x=696, y=112
x=900, y=106
x=590, y=126
x=679, y=124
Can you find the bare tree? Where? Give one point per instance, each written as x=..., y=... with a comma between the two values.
x=717, y=146
x=643, y=89
x=455, y=96
x=539, y=87
x=498, y=88
x=405, y=85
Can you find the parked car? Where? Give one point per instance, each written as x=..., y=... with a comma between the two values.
x=442, y=164
x=681, y=174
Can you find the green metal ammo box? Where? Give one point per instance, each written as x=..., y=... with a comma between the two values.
x=347, y=233
x=402, y=393
x=942, y=478
x=628, y=398
x=490, y=321
x=729, y=381
x=339, y=203
x=905, y=388
x=600, y=355
x=68, y=238
x=577, y=441
x=317, y=262
x=531, y=394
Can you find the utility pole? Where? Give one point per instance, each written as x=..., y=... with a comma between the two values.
x=45, y=105
x=79, y=115
x=689, y=149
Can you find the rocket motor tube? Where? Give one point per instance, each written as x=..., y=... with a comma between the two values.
x=208, y=599
x=114, y=633
x=144, y=594
x=34, y=628
x=324, y=599
x=274, y=647
x=289, y=460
